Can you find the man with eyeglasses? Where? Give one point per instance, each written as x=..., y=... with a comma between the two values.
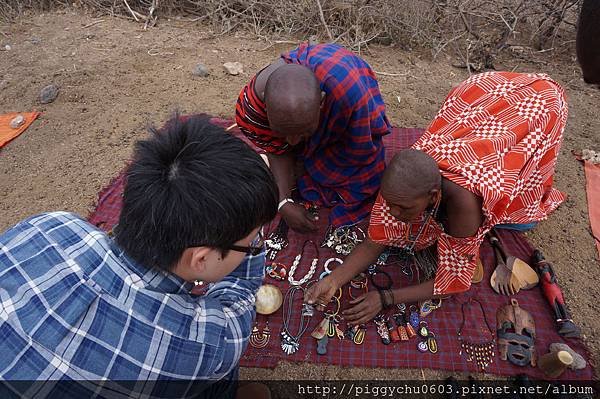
x=77, y=306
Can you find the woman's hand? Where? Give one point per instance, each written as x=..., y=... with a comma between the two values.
x=320, y=294
x=298, y=218
x=365, y=308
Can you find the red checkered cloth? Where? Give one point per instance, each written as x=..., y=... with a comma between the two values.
x=343, y=159
x=444, y=322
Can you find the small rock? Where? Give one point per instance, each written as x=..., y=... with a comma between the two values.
x=200, y=70
x=49, y=94
x=3, y=84
x=233, y=68
x=35, y=40
x=7, y=47
x=17, y=122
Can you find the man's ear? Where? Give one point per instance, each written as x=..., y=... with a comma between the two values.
x=198, y=259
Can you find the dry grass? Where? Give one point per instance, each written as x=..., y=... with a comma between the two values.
x=475, y=30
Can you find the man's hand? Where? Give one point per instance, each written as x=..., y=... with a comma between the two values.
x=320, y=294
x=298, y=218
x=365, y=308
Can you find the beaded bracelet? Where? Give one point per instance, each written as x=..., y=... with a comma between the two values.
x=277, y=271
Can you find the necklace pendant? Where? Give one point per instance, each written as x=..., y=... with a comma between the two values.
x=331, y=328
x=423, y=331
x=414, y=319
x=289, y=345
x=338, y=332
x=432, y=344
x=382, y=330
x=410, y=331
x=307, y=310
x=359, y=337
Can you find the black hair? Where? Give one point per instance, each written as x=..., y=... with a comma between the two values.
x=192, y=184
x=412, y=171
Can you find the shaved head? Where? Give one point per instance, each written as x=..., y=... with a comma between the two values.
x=293, y=100
x=411, y=172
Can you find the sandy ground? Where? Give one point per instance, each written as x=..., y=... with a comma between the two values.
x=115, y=79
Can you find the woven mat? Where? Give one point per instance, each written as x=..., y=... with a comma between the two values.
x=444, y=322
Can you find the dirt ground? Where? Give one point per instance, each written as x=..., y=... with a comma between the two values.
x=115, y=79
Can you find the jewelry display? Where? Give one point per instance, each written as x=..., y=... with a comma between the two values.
x=277, y=240
x=482, y=353
x=260, y=339
x=290, y=343
x=277, y=271
x=343, y=239
x=311, y=271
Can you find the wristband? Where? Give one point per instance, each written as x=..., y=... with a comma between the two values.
x=283, y=202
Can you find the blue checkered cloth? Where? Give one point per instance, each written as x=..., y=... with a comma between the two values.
x=73, y=306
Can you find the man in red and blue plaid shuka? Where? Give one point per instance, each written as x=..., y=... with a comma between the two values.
x=319, y=105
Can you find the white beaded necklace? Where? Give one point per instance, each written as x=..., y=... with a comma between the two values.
x=311, y=271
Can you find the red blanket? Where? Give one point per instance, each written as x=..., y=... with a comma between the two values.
x=444, y=322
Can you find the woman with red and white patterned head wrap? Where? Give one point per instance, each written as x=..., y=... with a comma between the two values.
x=487, y=159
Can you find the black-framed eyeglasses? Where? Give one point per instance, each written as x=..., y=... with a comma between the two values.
x=255, y=247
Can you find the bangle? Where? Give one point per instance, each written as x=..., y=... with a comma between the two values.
x=388, y=280
x=387, y=298
x=326, y=266
x=283, y=202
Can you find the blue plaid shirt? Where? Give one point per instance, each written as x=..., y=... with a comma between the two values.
x=73, y=306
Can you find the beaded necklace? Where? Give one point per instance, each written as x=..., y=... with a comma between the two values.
x=290, y=343
x=311, y=271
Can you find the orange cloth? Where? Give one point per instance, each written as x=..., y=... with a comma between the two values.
x=592, y=177
x=7, y=133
